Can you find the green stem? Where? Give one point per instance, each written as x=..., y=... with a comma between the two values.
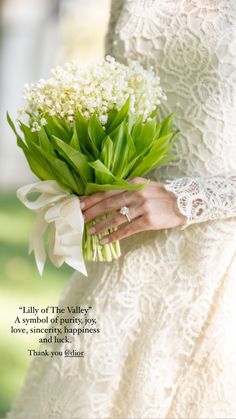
x=93, y=250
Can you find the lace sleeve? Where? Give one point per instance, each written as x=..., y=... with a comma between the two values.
x=115, y=10
x=202, y=199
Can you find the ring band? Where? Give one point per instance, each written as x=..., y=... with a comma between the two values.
x=125, y=211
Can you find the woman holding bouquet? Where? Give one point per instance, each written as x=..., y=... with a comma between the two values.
x=166, y=307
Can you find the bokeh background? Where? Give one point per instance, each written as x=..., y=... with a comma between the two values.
x=34, y=36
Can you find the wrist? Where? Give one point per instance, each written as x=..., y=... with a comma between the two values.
x=180, y=218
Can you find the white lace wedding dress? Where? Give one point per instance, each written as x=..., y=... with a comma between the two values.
x=167, y=308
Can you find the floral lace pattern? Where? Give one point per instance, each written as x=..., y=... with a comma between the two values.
x=166, y=309
x=203, y=199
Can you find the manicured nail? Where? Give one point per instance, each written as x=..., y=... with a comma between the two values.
x=82, y=204
x=104, y=241
x=91, y=230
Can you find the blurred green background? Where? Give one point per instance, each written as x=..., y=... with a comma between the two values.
x=34, y=36
x=20, y=285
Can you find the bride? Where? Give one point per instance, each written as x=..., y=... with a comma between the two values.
x=167, y=308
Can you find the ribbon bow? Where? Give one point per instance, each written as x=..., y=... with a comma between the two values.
x=59, y=211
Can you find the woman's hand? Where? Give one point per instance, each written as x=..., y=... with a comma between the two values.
x=151, y=208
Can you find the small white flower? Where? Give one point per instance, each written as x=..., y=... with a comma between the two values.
x=103, y=119
x=97, y=88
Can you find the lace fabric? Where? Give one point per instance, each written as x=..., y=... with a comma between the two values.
x=166, y=309
x=202, y=199
x=188, y=44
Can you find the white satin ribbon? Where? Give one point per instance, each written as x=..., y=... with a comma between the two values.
x=59, y=211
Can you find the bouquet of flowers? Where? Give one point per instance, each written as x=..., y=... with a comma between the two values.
x=88, y=129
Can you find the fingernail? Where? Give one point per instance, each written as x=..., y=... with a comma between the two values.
x=104, y=241
x=82, y=205
x=91, y=230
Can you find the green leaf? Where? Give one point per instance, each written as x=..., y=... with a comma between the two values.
x=132, y=148
x=11, y=123
x=29, y=136
x=130, y=122
x=121, y=185
x=81, y=126
x=154, y=113
x=137, y=128
x=129, y=166
x=61, y=171
x=107, y=152
x=162, y=142
x=44, y=141
x=37, y=156
x=158, y=129
x=75, y=139
x=20, y=142
x=79, y=182
x=120, y=148
x=103, y=175
x=59, y=127
x=145, y=137
x=120, y=116
x=166, y=124
x=37, y=168
x=154, y=157
x=22, y=145
x=96, y=132
x=88, y=147
x=78, y=160
x=111, y=116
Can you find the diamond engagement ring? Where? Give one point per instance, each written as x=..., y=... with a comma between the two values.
x=125, y=211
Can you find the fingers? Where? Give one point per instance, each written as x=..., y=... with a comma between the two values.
x=91, y=200
x=115, y=220
x=151, y=208
x=127, y=230
x=110, y=204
